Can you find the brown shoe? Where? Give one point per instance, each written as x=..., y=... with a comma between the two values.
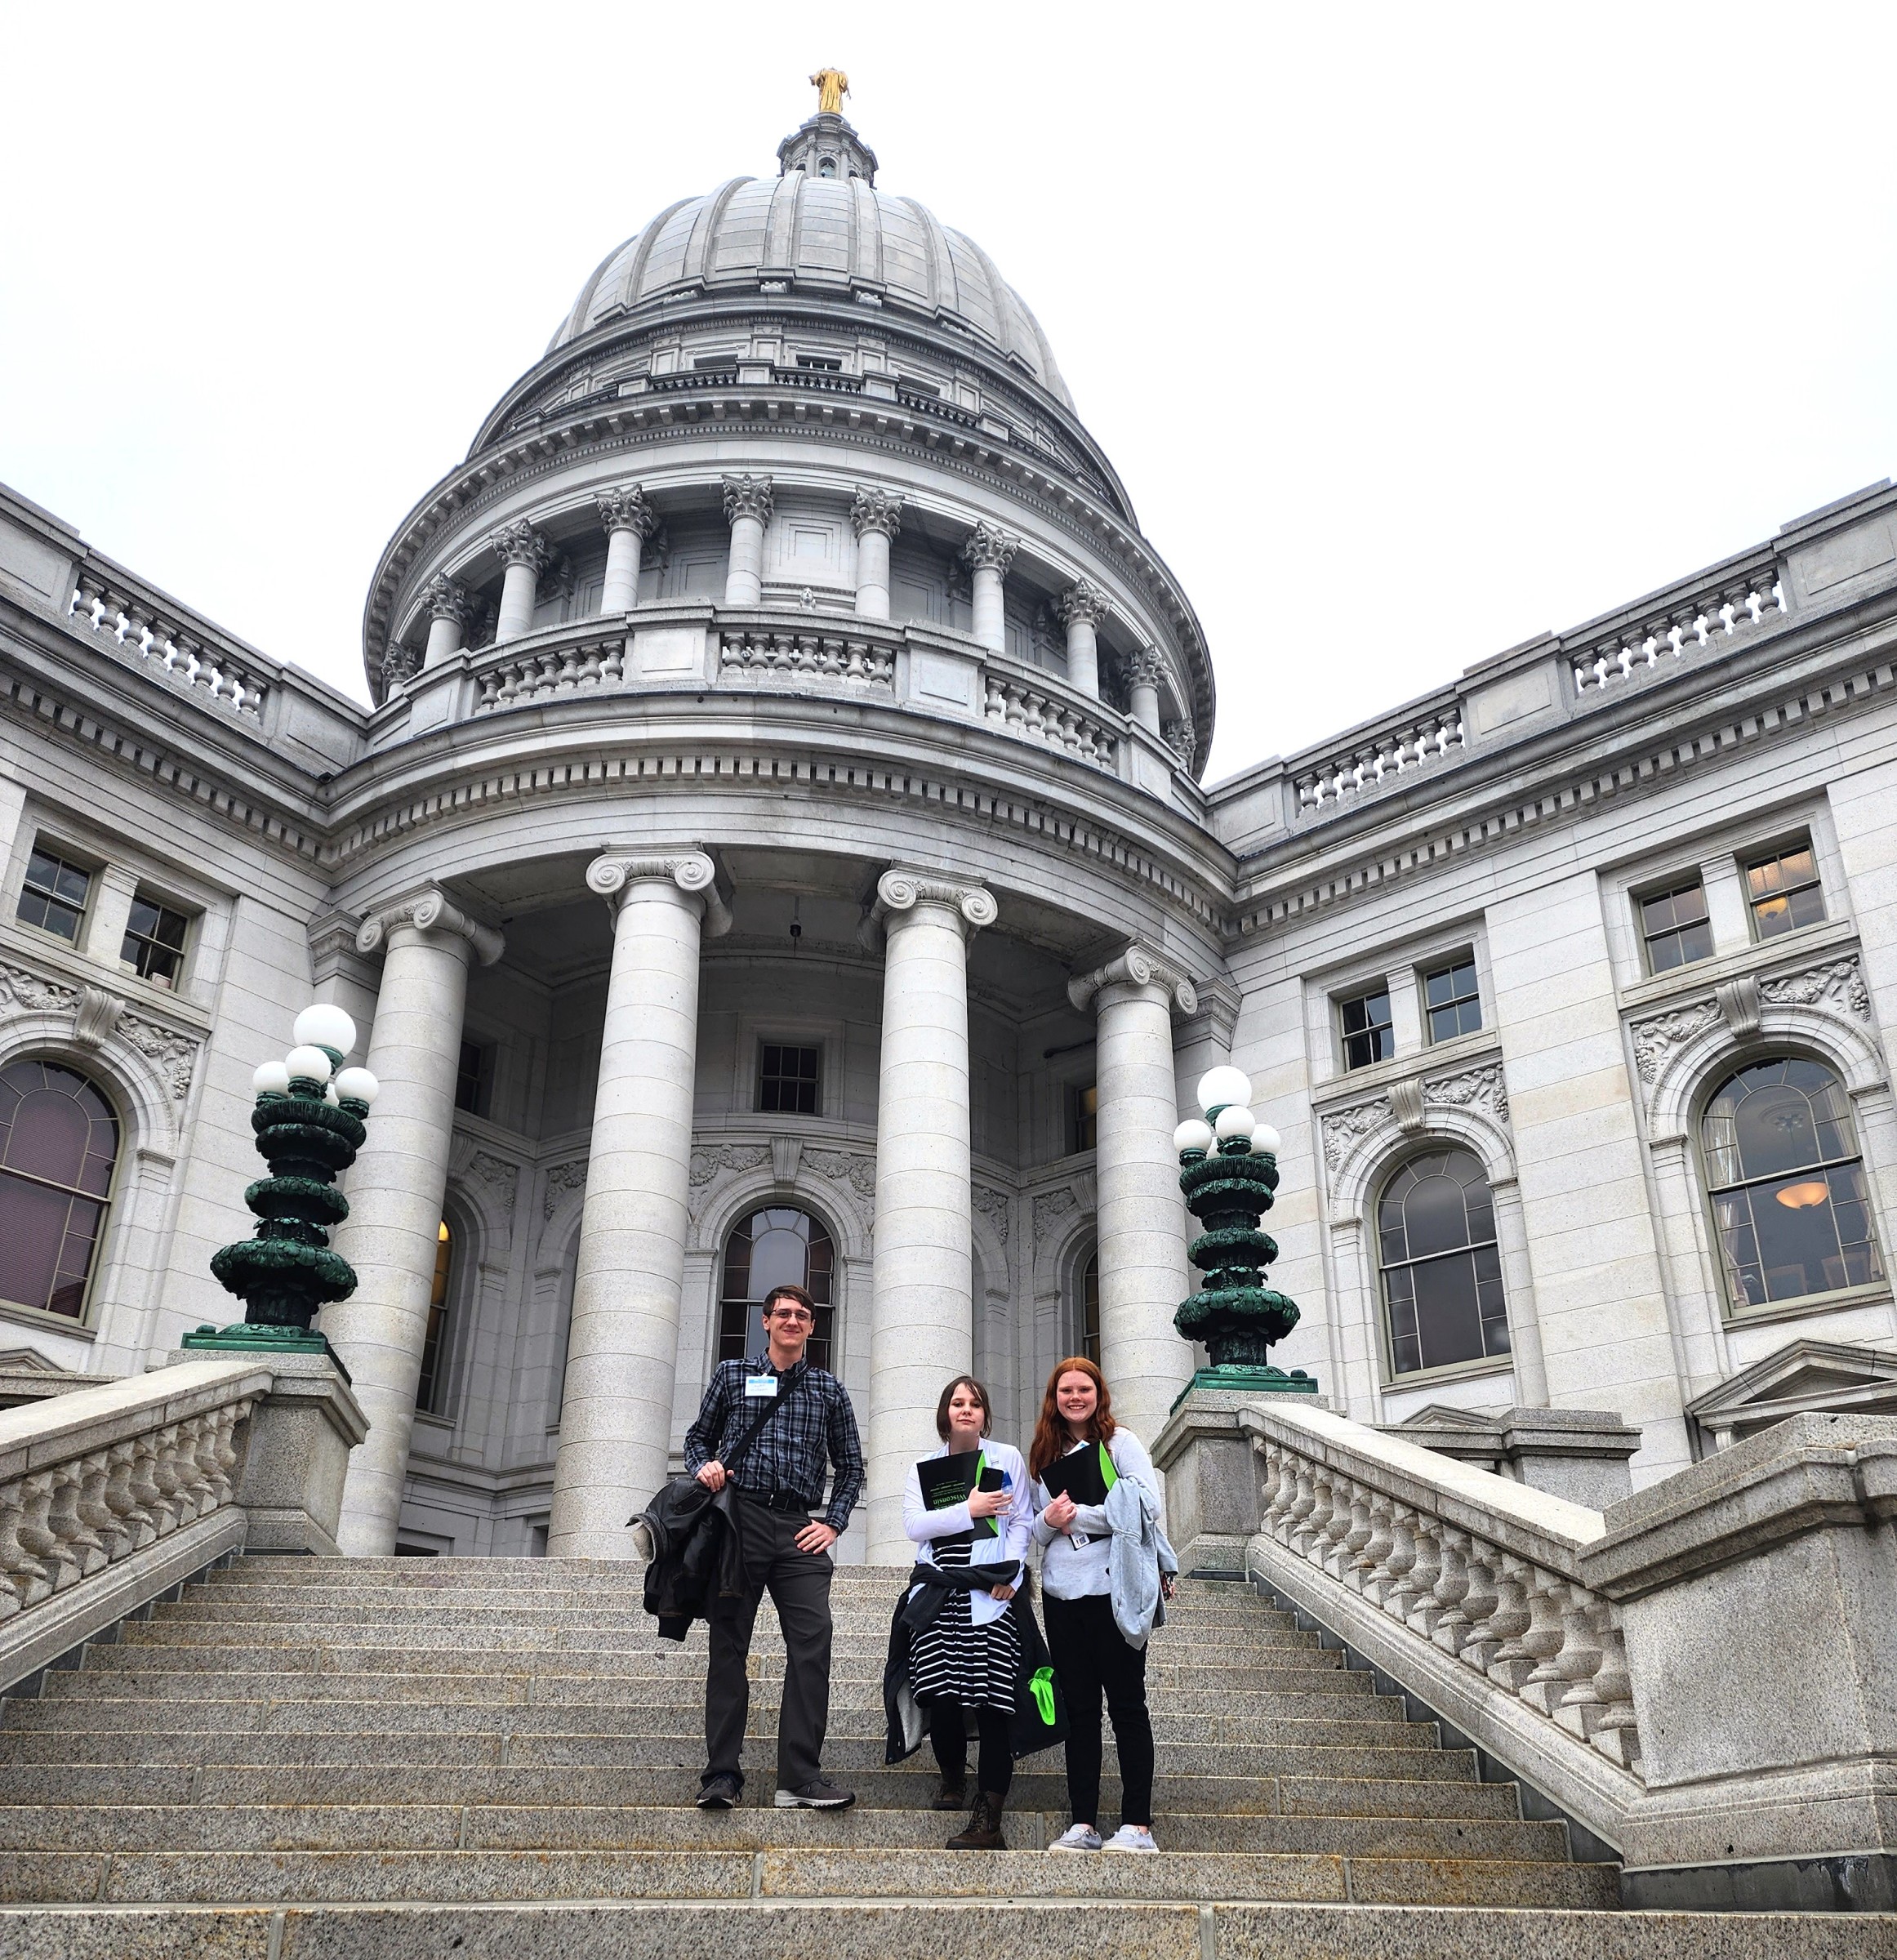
x=950, y=1797
x=984, y=1831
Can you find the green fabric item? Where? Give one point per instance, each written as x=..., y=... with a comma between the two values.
x=1041, y=1685
x=1108, y=1474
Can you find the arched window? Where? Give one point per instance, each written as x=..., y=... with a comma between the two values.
x=1789, y=1198
x=777, y=1246
x=59, y=1144
x=1087, y=1309
x=1442, y=1274
x=433, y=1385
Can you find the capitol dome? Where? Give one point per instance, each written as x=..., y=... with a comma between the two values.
x=815, y=230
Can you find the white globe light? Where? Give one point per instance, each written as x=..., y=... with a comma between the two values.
x=310, y=1062
x=1265, y=1141
x=1222, y=1087
x=322, y=1026
x=273, y=1079
x=331, y=1097
x=1234, y=1121
x=1192, y=1134
x=357, y=1085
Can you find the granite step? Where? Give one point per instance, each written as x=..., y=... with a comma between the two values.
x=226, y=1876
x=423, y=1826
x=847, y=1929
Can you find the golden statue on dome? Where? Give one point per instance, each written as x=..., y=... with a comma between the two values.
x=831, y=85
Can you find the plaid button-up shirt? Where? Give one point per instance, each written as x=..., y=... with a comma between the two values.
x=815, y=1422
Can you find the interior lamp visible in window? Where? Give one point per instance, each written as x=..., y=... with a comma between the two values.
x=1802, y=1197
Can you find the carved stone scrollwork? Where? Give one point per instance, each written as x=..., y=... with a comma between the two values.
x=747, y=497
x=173, y=1054
x=1144, y=668
x=430, y=909
x=692, y=872
x=708, y=1163
x=1345, y=1129
x=1138, y=966
x=1478, y=1088
x=877, y=510
x=1050, y=1209
x=844, y=1167
x=625, y=509
x=997, y=1208
x=561, y=1179
x=1657, y=1038
x=97, y=1016
x=443, y=597
x=401, y=663
x=1182, y=737
x=1083, y=601
x=1838, y=983
x=991, y=548
x=520, y=543
x=901, y=890
x=21, y=989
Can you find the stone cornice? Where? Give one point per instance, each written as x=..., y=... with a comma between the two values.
x=1140, y=967
x=428, y=909
x=692, y=870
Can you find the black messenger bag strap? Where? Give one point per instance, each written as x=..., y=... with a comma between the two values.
x=751, y=1435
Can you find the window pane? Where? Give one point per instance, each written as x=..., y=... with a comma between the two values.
x=1448, y=1322
x=1367, y=1035
x=1090, y=1309
x=788, y=1078
x=428, y=1389
x=777, y=1246
x=471, y=1079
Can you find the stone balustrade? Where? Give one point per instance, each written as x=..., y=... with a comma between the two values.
x=154, y=635
x=111, y=1494
x=1376, y=757
x=750, y=656
x=1702, y=622
x=1030, y=705
x=576, y=663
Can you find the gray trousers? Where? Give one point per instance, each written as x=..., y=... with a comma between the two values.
x=798, y=1584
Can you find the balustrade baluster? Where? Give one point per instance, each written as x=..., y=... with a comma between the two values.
x=1616, y=1727
x=1578, y=1662
x=1304, y=1510
x=24, y=1578
x=1548, y=1632
x=1375, y=1558
x=1350, y=1565
x=1399, y=1594
x=1479, y=1603
x=1452, y=1586
x=1423, y=1612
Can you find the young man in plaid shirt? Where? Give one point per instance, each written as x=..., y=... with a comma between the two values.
x=779, y=1483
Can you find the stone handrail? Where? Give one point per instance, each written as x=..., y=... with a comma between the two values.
x=1037, y=707
x=1370, y=758
x=810, y=655
x=1742, y=599
x=110, y=1495
x=576, y=664
x=169, y=644
x=1464, y=1586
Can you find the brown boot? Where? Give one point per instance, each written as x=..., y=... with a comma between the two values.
x=952, y=1796
x=984, y=1831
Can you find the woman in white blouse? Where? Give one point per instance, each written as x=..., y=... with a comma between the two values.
x=969, y=1661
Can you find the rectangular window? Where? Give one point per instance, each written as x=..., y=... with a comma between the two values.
x=1673, y=926
x=1784, y=891
x=1084, y=1125
x=54, y=895
x=155, y=941
x=1452, y=1000
x=789, y=1079
x=471, y=1080
x=1367, y=1035
x=822, y=362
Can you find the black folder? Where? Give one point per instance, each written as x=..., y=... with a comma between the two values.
x=946, y=1481
x=1078, y=1474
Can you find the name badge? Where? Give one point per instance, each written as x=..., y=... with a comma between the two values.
x=760, y=1384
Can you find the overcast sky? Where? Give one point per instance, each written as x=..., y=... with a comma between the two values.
x=1413, y=330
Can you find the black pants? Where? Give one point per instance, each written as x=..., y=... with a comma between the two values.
x=1090, y=1655
x=798, y=1584
x=948, y=1736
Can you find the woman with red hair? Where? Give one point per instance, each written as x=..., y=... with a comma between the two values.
x=1090, y=1654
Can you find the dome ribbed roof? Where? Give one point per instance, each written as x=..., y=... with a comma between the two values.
x=806, y=234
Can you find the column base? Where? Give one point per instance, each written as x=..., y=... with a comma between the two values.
x=264, y=1339
x=1245, y=1379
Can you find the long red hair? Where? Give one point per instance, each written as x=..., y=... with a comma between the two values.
x=1051, y=1436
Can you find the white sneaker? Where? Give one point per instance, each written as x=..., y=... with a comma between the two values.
x=1130, y=1837
x=1077, y=1838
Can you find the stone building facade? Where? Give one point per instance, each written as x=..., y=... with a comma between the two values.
x=778, y=848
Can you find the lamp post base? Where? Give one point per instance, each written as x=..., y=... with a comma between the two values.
x=264, y=1337
x=1245, y=1379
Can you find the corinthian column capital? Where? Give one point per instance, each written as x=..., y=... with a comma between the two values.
x=625, y=508
x=692, y=870
x=991, y=548
x=1138, y=966
x=1144, y=668
x=1084, y=601
x=901, y=890
x=446, y=598
x=520, y=543
x=747, y=497
x=878, y=510
x=430, y=909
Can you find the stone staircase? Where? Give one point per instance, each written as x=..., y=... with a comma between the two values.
x=475, y=1756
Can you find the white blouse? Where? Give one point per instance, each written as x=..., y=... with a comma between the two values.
x=1012, y=1527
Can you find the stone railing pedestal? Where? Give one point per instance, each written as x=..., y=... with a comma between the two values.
x=1211, y=1476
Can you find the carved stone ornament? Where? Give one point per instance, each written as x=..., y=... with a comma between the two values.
x=520, y=543
x=174, y=1055
x=1084, y=601
x=899, y=890
x=691, y=870
x=1478, y=1088
x=1406, y=1106
x=997, y=1208
x=400, y=663
x=747, y=497
x=1050, y=1209
x=625, y=509
x=1345, y=1129
x=1182, y=737
x=1138, y=966
x=560, y=1179
x=991, y=548
x=430, y=909
x=1837, y=983
x=1144, y=668
x=878, y=510
x=97, y=1015
x=706, y=1164
x=1738, y=1003
x=21, y=989
x=1657, y=1039
x=443, y=597
x=844, y=1167
x=500, y=1177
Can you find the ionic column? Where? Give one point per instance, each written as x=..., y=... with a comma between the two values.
x=524, y=552
x=629, y=520
x=446, y=601
x=922, y=1329
x=395, y=1191
x=877, y=516
x=1082, y=608
x=1145, y=669
x=616, y=1417
x=747, y=509
x=989, y=554
x=1142, y=1219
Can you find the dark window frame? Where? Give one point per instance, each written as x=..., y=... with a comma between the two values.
x=1375, y=1041
x=51, y=892
x=1797, y=898
x=769, y=1086
x=1454, y=1004
x=141, y=950
x=1083, y=1117
x=1482, y=1256
x=473, y=1087
x=1087, y=1307
x=738, y=1330
x=431, y=1386
x=1678, y=933
x=99, y=1196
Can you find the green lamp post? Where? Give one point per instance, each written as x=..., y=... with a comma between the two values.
x=1228, y=1169
x=309, y=1121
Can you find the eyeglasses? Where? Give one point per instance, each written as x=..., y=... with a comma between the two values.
x=790, y=1313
